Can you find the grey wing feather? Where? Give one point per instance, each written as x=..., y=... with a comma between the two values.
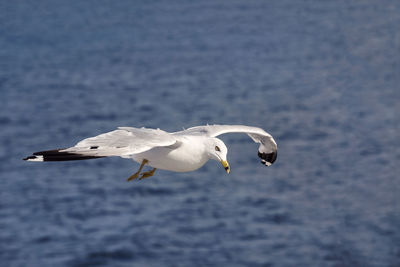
x=123, y=142
x=267, y=150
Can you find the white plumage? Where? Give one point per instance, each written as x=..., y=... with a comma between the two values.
x=181, y=151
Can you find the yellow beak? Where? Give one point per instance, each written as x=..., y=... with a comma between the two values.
x=226, y=165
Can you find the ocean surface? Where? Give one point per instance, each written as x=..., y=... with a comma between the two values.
x=323, y=77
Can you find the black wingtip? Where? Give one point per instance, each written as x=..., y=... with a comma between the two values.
x=268, y=158
x=58, y=155
x=29, y=158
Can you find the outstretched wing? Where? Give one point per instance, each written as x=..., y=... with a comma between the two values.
x=267, y=151
x=123, y=142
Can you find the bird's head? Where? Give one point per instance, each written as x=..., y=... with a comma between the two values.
x=217, y=151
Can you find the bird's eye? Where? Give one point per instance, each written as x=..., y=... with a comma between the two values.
x=217, y=148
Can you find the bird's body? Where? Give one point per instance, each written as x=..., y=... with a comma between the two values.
x=182, y=151
x=189, y=155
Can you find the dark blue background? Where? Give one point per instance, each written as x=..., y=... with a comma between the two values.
x=321, y=76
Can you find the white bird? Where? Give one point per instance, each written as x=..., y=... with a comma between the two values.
x=182, y=151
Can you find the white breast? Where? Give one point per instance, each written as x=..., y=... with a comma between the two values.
x=189, y=156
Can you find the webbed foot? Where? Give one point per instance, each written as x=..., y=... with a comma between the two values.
x=147, y=174
x=136, y=174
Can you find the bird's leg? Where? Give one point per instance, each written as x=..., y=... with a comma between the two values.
x=147, y=174
x=136, y=174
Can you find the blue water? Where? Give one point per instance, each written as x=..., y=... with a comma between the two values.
x=321, y=76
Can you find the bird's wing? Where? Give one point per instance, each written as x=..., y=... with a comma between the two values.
x=123, y=142
x=267, y=150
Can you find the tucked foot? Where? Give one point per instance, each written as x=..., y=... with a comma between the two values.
x=147, y=174
x=133, y=176
x=136, y=174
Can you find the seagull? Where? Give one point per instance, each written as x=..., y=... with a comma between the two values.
x=181, y=151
